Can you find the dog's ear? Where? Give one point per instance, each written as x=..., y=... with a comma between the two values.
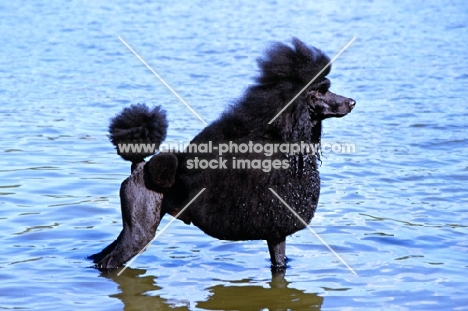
x=294, y=124
x=160, y=172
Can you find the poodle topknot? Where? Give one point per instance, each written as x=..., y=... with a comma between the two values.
x=138, y=124
x=297, y=64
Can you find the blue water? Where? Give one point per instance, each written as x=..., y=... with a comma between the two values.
x=396, y=210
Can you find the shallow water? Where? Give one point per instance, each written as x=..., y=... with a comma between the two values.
x=396, y=210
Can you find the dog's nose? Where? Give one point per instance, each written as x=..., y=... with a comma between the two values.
x=352, y=103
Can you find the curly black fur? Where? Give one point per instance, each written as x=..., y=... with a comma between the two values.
x=297, y=64
x=138, y=124
x=160, y=172
x=237, y=203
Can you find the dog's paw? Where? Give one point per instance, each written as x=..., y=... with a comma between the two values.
x=108, y=262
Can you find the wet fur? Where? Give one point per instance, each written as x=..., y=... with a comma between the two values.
x=237, y=203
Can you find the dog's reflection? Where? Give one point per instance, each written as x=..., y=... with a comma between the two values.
x=256, y=297
x=134, y=287
x=231, y=295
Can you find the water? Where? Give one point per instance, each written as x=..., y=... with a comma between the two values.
x=396, y=210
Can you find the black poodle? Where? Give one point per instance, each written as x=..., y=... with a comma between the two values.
x=238, y=202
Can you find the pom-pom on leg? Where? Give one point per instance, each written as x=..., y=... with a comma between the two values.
x=160, y=172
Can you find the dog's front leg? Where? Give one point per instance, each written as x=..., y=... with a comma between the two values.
x=277, y=249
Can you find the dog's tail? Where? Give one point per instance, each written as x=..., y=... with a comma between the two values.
x=138, y=131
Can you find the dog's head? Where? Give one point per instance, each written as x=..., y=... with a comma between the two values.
x=322, y=104
x=287, y=70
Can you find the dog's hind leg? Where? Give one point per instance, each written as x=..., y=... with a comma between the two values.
x=141, y=213
x=140, y=198
x=277, y=249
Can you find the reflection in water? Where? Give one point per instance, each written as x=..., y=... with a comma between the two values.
x=134, y=289
x=238, y=296
x=277, y=297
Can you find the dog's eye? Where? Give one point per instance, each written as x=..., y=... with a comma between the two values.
x=323, y=90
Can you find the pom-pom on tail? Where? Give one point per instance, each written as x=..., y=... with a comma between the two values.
x=138, y=131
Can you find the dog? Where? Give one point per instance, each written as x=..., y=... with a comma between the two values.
x=233, y=202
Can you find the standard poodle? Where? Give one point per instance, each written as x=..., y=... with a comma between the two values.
x=242, y=158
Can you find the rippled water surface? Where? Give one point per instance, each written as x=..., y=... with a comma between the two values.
x=396, y=210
